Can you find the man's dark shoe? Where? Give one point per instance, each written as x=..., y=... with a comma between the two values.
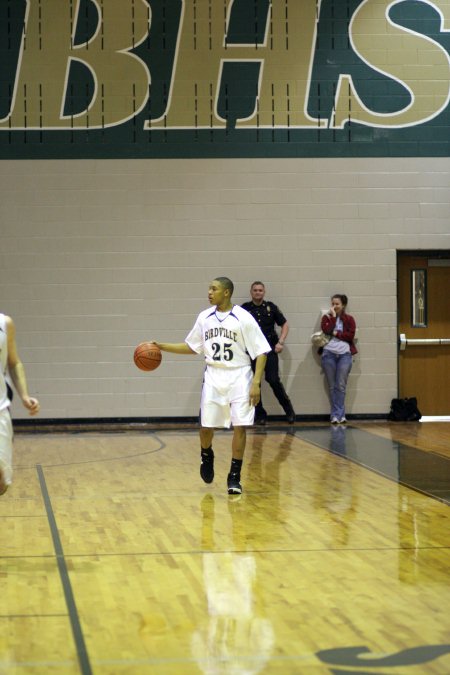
x=289, y=410
x=207, y=466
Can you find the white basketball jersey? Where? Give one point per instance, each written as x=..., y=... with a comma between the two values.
x=4, y=400
x=228, y=340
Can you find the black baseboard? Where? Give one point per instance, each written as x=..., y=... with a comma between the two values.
x=136, y=423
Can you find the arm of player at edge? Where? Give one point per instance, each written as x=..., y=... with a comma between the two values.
x=17, y=371
x=255, y=388
x=174, y=347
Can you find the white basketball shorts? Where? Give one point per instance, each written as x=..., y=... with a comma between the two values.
x=226, y=397
x=6, y=436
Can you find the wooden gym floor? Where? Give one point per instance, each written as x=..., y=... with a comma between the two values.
x=116, y=559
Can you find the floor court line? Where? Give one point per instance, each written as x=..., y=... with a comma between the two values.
x=77, y=632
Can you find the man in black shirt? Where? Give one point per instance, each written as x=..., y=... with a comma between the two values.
x=267, y=314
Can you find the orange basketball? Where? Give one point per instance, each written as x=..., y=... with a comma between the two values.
x=147, y=356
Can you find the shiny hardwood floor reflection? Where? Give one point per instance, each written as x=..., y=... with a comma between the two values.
x=117, y=560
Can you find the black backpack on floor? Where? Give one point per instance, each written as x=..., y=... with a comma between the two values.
x=404, y=410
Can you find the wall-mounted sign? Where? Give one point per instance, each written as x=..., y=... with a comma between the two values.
x=224, y=78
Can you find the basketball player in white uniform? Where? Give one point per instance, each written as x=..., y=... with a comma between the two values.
x=12, y=366
x=229, y=337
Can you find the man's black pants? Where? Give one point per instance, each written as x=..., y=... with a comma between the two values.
x=272, y=377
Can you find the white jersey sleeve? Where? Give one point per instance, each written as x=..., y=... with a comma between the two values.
x=255, y=340
x=194, y=339
x=227, y=341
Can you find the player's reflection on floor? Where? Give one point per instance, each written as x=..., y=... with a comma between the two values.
x=238, y=637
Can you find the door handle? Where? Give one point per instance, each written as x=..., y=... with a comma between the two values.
x=403, y=341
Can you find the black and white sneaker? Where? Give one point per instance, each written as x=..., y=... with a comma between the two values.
x=234, y=485
x=207, y=466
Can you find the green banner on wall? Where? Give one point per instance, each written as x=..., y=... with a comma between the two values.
x=224, y=78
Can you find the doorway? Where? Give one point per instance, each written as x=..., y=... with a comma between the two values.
x=423, y=289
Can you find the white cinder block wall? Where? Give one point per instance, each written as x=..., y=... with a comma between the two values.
x=98, y=255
